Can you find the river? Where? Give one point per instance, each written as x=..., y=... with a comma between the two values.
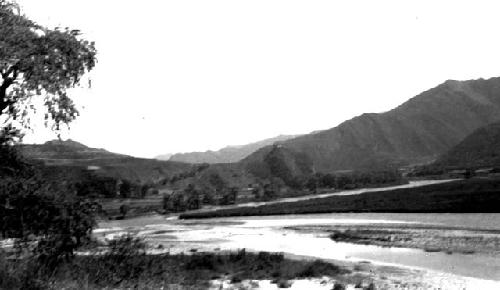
x=447, y=271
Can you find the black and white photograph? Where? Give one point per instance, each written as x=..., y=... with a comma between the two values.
x=237, y=144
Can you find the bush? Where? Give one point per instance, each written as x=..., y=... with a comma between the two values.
x=319, y=268
x=202, y=262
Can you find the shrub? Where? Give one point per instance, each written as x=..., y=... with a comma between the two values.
x=202, y=262
x=319, y=268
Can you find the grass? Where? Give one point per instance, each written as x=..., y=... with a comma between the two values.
x=120, y=270
x=472, y=195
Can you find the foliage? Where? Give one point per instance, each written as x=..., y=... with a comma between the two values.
x=317, y=267
x=217, y=182
x=189, y=173
x=56, y=223
x=353, y=179
x=11, y=163
x=128, y=270
x=42, y=62
x=229, y=196
x=470, y=195
x=125, y=264
x=47, y=223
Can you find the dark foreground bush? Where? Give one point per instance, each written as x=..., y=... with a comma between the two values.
x=320, y=268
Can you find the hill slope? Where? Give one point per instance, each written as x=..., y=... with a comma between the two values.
x=70, y=157
x=227, y=154
x=479, y=149
x=417, y=131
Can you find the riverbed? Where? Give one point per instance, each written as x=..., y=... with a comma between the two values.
x=280, y=234
x=465, y=251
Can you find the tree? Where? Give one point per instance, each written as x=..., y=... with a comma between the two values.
x=39, y=62
x=230, y=196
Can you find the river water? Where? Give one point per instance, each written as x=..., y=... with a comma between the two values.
x=458, y=271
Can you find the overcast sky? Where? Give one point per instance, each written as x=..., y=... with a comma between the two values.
x=178, y=76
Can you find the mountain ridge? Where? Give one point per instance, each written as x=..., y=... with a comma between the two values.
x=73, y=158
x=479, y=149
x=419, y=130
x=228, y=154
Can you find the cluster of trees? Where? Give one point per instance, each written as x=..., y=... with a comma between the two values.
x=268, y=190
x=353, y=179
x=188, y=199
x=128, y=189
x=89, y=184
x=192, y=197
x=49, y=222
x=219, y=192
x=226, y=194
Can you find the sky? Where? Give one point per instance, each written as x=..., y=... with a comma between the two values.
x=181, y=76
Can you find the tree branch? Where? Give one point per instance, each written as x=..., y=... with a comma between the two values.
x=7, y=82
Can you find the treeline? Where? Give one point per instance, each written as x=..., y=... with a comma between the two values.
x=355, y=179
x=218, y=191
x=345, y=180
x=192, y=197
x=87, y=183
x=473, y=195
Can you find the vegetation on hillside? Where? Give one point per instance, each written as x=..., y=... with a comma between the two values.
x=478, y=150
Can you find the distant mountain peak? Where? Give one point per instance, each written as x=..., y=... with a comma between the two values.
x=228, y=154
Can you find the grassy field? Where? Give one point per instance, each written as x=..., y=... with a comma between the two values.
x=471, y=195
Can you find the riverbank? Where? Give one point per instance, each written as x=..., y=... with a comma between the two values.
x=471, y=195
x=430, y=238
x=386, y=267
x=127, y=266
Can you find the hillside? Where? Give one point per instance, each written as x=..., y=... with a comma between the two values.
x=59, y=150
x=479, y=149
x=417, y=131
x=70, y=158
x=227, y=154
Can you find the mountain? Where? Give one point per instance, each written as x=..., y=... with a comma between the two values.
x=70, y=158
x=64, y=149
x=417, y=131
x=479, y=149
x=229, y=154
